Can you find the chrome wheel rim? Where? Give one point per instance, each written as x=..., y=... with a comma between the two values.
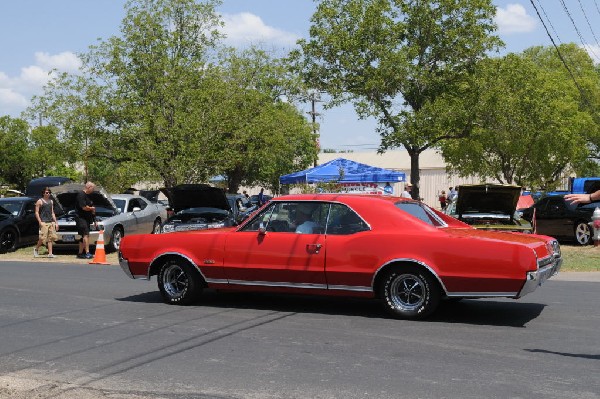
x=407, y=292
x=175, y=281
x=156, y=228
x=582, y=233
x=117, y=239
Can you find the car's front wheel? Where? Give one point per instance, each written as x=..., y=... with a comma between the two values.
x=179, y=283
x=8, y=240
x=115, y=239
x=409, y=293
x=583, y=233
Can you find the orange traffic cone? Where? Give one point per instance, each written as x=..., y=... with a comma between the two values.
x=100, y=254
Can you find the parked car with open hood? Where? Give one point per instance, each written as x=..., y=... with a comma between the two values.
x=35, y=186
x=489, y=207
x=118, y=216
x=18, y=225
x=200, y=207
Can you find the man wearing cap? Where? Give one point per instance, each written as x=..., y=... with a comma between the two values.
x=406, y=192
x=304, y=224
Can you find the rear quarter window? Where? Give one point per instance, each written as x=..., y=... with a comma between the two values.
x=419, y=211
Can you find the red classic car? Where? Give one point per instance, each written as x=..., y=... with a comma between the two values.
x=399, y=250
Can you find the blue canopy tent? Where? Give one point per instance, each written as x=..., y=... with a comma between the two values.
x=344, y=171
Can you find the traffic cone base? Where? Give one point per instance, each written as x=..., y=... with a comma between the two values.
x=99, y=253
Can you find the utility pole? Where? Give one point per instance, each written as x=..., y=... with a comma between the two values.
x=315, y=97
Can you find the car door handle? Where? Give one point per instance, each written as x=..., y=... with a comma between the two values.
x=313, y=248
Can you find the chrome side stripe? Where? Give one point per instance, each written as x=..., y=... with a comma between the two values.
x=290, y=285
x=482, y=294
x=350, y=288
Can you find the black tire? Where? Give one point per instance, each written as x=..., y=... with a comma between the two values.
x=9, y=239
x=409, y=293
x=582, y=233
x=156, y=227
x=179, y=283
x=115, y=239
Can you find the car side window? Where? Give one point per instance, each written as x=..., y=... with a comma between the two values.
x=343, y=221
x=556, y=204
x=308, y=217
x=29, y=208
x=418, y=211
x=260, y=220
x=291, y=217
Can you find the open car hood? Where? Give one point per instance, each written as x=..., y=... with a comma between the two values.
x=66, y=194
x=187, y=196
x=497, y=199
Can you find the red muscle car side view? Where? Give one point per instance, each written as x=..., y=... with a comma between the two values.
x=401, y=251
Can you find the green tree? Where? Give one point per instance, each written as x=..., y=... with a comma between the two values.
x=160, y=103
x=575, y=67
x=531, y=122
x=26, y=153
x=155, y=75
x=14, y=152
x=260, y=136
x=394, y=59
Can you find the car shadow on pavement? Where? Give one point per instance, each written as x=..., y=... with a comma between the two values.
x=477, y=312
x=500, y=312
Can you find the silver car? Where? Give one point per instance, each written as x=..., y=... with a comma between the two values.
x=117, y=215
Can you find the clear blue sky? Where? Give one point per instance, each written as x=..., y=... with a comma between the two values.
x=38, y=35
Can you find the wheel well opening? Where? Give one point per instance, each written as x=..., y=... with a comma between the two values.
x=400, y=265
x=158, y=263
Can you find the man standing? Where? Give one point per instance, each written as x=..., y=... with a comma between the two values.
x=261, y=197
x=406, y=192
x=85, y=216
x=44, y=213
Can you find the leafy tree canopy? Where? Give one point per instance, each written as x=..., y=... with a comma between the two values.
x=391, y=59
x=532, y=123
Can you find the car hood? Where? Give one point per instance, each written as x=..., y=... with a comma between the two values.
x=487, y=198
x=186, y=196
x=66, y=195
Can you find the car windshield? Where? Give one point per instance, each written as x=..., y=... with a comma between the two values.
x=10, y=208
x=421, y=212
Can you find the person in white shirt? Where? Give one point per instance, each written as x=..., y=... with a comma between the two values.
x=304, y=224
x=406, y=192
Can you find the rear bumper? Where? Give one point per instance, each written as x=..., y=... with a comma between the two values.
x=536, y=278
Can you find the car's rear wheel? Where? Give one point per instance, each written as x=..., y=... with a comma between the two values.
x=115, y=239
x=156, y=227
x=583, y=233
x=8, y=240
x=179, y=283
x=409, y=293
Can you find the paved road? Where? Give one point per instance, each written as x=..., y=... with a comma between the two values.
x=87, y=331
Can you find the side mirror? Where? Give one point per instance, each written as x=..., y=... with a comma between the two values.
x=262, y=230
x=136, y=209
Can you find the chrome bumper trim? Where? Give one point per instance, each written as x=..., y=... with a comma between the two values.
x=536, y=278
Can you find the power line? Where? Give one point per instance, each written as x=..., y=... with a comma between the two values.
x=577, y=29
x=558, y=50
x=588, y=21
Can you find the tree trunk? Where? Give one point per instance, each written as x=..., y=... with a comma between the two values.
x=415, y=173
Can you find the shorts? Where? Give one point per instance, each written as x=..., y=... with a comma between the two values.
x=83, y=227
x=47, y=232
